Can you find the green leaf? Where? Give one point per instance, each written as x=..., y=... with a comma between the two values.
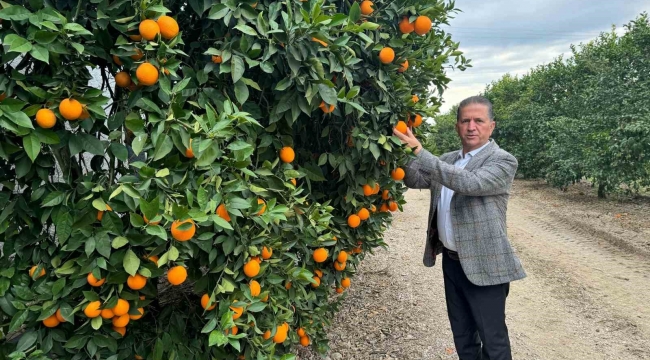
x=119, y=151
x=131, y=262
x=162, y=173
x=355, y=13
x=119, y=241
x=78, y=47
x=218, y=11
x=157, y=230
x=139, y=143
x=17, y=44
x=58, y=286
x=238, y=68
x=26, y=341
x=45, y=37
x=96, y=323
x=173, y=254
x=91, y=144
x=163, y=147
x=32, y=146
x=15, y=13
x=241, y=92
x=218, y=338
x=221, y=222
x=54, y=198
x=246, y=29
x=181, y=85
x=76, y=28
x=19, y=118
x=18, y=319
x=40, y=53
x=327, y=93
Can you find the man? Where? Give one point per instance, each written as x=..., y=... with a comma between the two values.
x=467, y=223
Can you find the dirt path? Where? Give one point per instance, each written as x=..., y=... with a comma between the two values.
x=585, y=297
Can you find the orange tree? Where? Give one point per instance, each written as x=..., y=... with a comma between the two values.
x=200, y=179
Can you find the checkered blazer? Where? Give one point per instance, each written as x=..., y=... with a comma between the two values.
x=478, y=211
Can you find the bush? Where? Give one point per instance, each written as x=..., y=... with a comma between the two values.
x=244, y=161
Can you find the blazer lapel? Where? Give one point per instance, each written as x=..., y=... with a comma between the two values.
x=481, y=156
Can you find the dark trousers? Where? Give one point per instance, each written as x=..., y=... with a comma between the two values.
x=477, y=315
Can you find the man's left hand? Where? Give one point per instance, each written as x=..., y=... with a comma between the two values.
x=409, y=139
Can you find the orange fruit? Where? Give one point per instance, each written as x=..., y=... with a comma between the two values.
x=120, y=330
x=3, y=96
x=183, y=235
x=266, y=253
x=107, y=314
x=92, y=309
x=223, y=212
x=320, y=255
x=326, y=109
x=383, y=207
x=189, y=153
x=265, y=298
x=401, y=127
x=415, y=98
x=33, y=269
x=301, y=332
x=204, y=302
x=234, y=330
x=422, y=25
x=70, y=109
x=168, y=27
x=59, y=316
x=153, y=258
x=84, y=113
x=317, y=280
x=122, y=79
x=392, y=206
x=256, y=258
x=404, y=66
x=217, y=59
x=267, y=335
x=137, y=317
x=263, y=209
x=176, y=275
x=386, y=55
x=149, y=29
x=93, y=281
x=417, y=120
x=354, y=220
x=238, y=311
x=121, y=321
x=367, y=190
x=376, y=189
x=287, y=154
x=121, y=308
x=280, y=335
x=117, y=60
x=255, y=287
x=405, y=26
x=252, y=268
x=138, y=357
x=339, y=266
x=385, y=195
x=397, y=174
x=144, y=217
x=100, y=214
x=373, y=208
x=287, y=285
x=138, y=55
x=135, y=37
x=293, y=181
x=304, y=340
x=343, y=257
x=45, y=118
x=136, y=282
x=51, y=322
x=147, y=74
x=345, y=282
x=339, y=290
x=318, y=273
x=366, y=7
x=363, y=214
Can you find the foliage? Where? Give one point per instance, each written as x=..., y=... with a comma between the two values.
x=443, y=137
x=241, y=81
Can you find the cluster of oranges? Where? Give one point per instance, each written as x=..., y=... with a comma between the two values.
x=69, y=108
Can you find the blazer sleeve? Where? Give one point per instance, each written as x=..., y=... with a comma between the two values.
x=494, y=177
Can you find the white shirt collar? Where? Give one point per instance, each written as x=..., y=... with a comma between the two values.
x=473, y=152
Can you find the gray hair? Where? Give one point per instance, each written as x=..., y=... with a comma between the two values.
x=475, y=100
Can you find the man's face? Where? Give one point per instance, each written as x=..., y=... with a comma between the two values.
x=474, y=126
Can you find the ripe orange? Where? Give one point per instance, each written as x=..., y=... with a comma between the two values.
x=144, y=217
x=266, y=253
x=107, y=314
x=204, y=302
x=422, y=25
x=354, y=221
x=267, y=335
x=33, y=269
x=121, y=308
x=345, y=282
x=405, y=26
x=135, y=37
x=320, y=255
x=149, y=29
x=376, y=189
x=367, y=190
x=121, y=321
x=238, y=311
x=301, y=332
x=93, y=281
x=287, y=285
x=117, y=60
x=363, y=214
x=100, y=214
x=280, y=335
x=51, y=322
x=392, y=206
x=386, y=55
x=401, y=127
x=318, y=273
x=339, y=266
x=120, y=330
x=293, y=181
x=257, y=258
x=265, y=298
x=223, y=212
x=373, y=208
x=317, y=280
x=343, y=257
x=339, y=290
x=147, y=74
x=385, y=195
x=287, y=154
x=366, y=7
x=138, y=55
x=255, y=288
x=137, y=317
x=59, y=316
x=326, y=109
x=122, y=79
x=70, y=109
x=92, y=309
x=252, y=268
x=168, y=27
x=183, y=235
x=176, y=275
x=383, y=207
x=136, y=282
x=217, y=59
x=153, y=258
x=415, y=98
x=304, y=340
x=234, y=330
x=263, y=209
x=45, y=118
x=397, y=174
x=404, y=66
x=84, y=113
x=189, y=153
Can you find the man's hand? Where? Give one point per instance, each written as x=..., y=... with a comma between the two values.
x=409, y=139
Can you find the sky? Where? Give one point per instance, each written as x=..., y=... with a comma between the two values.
x=512, y=36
